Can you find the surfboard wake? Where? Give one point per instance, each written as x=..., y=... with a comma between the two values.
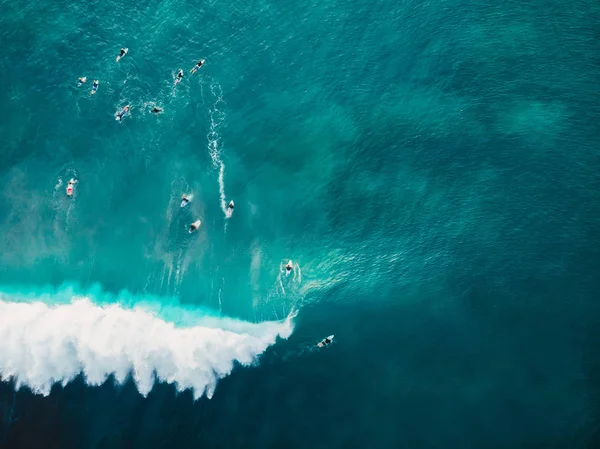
x=217, y=116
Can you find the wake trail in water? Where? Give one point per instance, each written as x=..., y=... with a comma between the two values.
x=42, y=344
x=217, y=117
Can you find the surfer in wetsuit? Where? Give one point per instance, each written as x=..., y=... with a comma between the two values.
x=122, y=53
x=156, y=110
x=289, y=266
x=230, y=205
x=197, y=66
x=81, y=80
x=94, y=87
x=179, y=76
x=194, y=226
x=120, y=114
x=184, y=200
x=324, y=342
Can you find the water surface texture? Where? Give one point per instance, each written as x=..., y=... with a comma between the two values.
x=431, y=169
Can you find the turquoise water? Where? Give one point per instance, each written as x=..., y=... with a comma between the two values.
x=430, y=168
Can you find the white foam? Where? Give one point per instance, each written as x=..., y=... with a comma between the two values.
x=41, y=345
x=216, y=118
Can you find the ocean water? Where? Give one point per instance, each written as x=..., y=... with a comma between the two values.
x=431, y=168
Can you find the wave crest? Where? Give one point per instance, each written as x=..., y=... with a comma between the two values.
x=41, y=345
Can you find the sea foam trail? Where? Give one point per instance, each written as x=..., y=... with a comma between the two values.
x=41, y=345
x=214, y=140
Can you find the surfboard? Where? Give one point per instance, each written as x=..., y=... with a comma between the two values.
x=229, y=210
x=126, y=50
x=197, y=223
x=322, y=342
x=70, y=187
x=178, y=80
x=188, y=197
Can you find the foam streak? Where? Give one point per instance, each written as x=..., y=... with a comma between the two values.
x=214, y=139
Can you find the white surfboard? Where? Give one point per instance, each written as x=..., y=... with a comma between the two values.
x=71, y=187
x=184, y=202
x=322, y=342
x=229, y=209
x=177, y=79
x=196, y=224
x=126, y=50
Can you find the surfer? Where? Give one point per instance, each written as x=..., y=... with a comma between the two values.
x=70, y=185
x=156, y=110
x=81, y=80
x=122, y=53
x=197, y=66
x=179, y=77
x=119, y=115
x=194, y=226
x=185, y=200
x=326, y=341
x=289, y=267
x=230, y=206
x=94, y=87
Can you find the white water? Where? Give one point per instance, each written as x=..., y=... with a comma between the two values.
x=217, y=117
x=41, y=345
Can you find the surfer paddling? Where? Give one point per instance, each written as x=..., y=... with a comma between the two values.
x=119, y=115
x=197, y=66
x=185, y=199
x=122, y=53
x=179, y=77
x=194, y=226
x=70, y=186
x=326, y=341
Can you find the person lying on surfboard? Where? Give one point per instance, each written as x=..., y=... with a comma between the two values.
x=326, y=341
x=119, y=115
x=122, y=53
x=185, y=199
x=179, y=77
x=94, y=87
x=194, y=226
x=70, y=185
x=197, y=66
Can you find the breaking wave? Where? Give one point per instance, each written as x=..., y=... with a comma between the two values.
x=42, y=344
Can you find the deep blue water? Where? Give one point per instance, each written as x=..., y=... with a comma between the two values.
x=430, y=167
